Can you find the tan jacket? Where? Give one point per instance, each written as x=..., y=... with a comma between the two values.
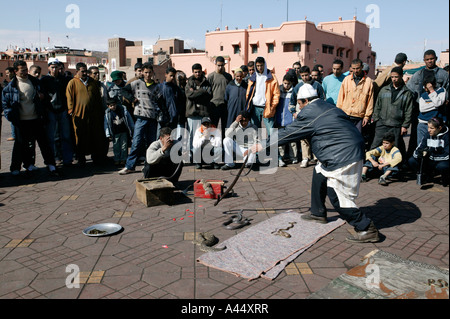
x=356, y=100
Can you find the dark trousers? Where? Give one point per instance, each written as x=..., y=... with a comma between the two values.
x=319, y=192
x=27, y=133
x=412, y=145
x=429, y=167
x=219, y=113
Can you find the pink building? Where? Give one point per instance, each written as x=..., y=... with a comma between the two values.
x=282, y=46
x=443, y=59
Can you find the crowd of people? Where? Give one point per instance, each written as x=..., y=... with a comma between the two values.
x=71, y=117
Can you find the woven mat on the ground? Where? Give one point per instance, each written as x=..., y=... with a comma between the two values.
x=383, y=275
x=256, y=252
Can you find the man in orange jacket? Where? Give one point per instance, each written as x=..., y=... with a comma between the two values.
x=263, y=95
x=356, y=95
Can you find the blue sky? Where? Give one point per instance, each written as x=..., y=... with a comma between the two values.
x=404, y=26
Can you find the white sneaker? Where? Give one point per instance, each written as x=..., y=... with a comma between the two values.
x=304, y=163
x=125, y=171
x=281, y=163
x=295, y=161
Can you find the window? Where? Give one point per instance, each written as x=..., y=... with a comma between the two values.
x=292, y=47
x=327, y=49
x=128, y=62
x=236, y=49
x=254, y=48
x=270, y=48
x=221, y=48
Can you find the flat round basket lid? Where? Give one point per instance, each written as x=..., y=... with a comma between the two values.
x=99, y=230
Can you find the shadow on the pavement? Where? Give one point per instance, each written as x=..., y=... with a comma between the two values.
x=391, y=212
x=65, y=173
x=182, y=196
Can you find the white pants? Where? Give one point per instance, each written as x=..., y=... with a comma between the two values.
x=345, y=182
x=231, y=147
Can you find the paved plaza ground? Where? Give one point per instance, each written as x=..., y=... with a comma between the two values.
x=42, y=219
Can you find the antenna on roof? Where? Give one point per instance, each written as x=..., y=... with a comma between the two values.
x=221, y=12
x=287, y=10
x=39, y=32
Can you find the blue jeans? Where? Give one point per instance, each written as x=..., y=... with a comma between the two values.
x=193, y=123
x=120, y=147
x=144, y=135
x=422, y=130
x=13, y=132
x=60, y=122
x=257, y=119
x=370, y=167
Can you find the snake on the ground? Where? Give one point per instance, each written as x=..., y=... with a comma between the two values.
x=206, y=241
x=282, y=232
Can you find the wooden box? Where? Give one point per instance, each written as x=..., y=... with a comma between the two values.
x=154, y=191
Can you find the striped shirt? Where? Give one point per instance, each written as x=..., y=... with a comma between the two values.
x=393, y=157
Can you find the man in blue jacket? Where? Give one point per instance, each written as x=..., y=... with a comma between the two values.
x=54, y=87
x=339, y=147
x=173, y=99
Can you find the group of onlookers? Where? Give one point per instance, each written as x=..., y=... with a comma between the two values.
x=72, y=117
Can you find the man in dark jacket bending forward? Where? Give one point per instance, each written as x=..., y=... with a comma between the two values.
x=339, y=147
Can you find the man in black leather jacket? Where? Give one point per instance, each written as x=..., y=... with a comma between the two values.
x=339, y=147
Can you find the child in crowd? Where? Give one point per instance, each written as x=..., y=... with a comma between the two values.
x=284, y=117
x=119, y=127
x=434, y=151
x=385, y=158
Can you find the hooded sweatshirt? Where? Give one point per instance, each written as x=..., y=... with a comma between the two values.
x=260, y=89
x=263, y=84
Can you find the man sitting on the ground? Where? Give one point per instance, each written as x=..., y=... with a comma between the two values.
x=207, y=139
x=158, y=161
x=239, y=137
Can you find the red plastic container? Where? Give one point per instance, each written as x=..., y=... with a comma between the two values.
x=216, y=185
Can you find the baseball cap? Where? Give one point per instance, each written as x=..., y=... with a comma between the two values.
x=206, y=120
